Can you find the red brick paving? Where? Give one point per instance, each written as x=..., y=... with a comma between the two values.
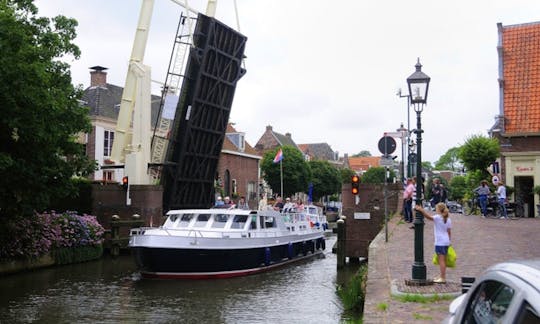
x=479, y=243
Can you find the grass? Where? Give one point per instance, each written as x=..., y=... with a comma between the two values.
x=353, y=293
x=382, y=307
x=422, y=317
x=411, y=298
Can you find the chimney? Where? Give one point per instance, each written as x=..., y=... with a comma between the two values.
x=268, y=128
x=98, y=76
x=288, y=135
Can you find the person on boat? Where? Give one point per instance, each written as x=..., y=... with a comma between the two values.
x=279, y=204
x=299, y=206
x=242, y=204
x=219, y=202
x=227, y=203
x=289, y=206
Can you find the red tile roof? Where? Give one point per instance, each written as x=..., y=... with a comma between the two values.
x=362, y=164
x=521, y=73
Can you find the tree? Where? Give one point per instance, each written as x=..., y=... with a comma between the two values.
x=346, y=175
x=426, y=165
x=479, y=152
x=459, y=188
x=362, y=154
x=296, y=171
x=40, y=113
x=326, y=179
x=376, y=175
x=449, y=160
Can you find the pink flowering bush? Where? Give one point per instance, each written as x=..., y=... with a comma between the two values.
x=30, y=237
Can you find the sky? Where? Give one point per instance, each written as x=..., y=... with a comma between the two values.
x=328, y=71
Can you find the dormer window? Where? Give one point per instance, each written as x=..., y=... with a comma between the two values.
x=237, y=139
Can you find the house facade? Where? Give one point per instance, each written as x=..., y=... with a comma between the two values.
x=238, y=168
x=103, y=100
x=517, y=125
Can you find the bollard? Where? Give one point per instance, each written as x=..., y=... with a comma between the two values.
x=115, y=236
x=340, y=243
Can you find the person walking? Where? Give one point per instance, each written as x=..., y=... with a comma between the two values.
x=483, y=192
x=442, y=225
x=436, y=192
x=408, y=200
x=501, y=195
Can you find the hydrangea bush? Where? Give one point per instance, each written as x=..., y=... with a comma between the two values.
x=31, y=237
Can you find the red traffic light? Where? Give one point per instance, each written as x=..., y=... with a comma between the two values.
x=355, y=181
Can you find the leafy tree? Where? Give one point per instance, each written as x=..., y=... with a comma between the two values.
x=376, y=175
x=41, y=115
x=346, y=175
x=326, y=179
x=459, y=188
x=479, y=152
x=426, y=165
x=296, y=171
x=449, y=160
x=362, y=154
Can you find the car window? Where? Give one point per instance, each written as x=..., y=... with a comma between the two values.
x=489, y=303
x=527, y=315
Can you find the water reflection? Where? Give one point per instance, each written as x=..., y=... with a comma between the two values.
x=110, y=291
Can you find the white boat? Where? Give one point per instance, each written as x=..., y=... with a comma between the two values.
x=224, y=243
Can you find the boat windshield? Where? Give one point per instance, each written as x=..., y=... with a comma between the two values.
x=184, y=221
x=202, y=219
x=220, y=220
x=239, y=221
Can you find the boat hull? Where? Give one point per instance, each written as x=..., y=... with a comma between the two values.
x=201, y=263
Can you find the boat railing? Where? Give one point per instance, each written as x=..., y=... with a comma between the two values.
x=208, y=233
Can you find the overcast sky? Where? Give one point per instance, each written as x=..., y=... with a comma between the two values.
x=328, y=71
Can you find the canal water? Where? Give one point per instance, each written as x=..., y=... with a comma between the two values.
x=111, y=291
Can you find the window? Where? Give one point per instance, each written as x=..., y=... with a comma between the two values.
x=108, y=175
x=527, y=315
x=202, y=219
x=184, y=221
x=489, y=303
x=220, y=220
x=108, y=139
x=237, y=139
x=239, y=221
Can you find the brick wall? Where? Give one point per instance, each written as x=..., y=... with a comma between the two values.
x=146, y=200
x=360, y=232
x=244, y=170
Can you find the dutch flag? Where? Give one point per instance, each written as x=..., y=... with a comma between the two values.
x=279, y=156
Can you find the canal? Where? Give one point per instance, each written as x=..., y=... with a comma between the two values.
x=111, y=291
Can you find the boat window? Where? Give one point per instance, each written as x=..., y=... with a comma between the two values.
x=239, y=221
x=202, y=219
x=220, y=220
x=253, y=224
x=184, y=221
x=269, y=222
x=173, y=217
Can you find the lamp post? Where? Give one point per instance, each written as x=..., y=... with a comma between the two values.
x=409, y=172
x=418, y=84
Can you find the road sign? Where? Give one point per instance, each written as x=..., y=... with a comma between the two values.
x=386, y=161
x=387, y=145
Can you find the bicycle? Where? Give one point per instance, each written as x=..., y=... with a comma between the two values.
x=473, y=207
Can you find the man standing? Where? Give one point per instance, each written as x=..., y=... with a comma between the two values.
x=501, y=194
x=408, y=200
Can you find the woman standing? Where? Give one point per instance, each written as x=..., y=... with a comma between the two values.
x=442, y=226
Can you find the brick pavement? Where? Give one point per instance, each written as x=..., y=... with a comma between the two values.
x=479, y=243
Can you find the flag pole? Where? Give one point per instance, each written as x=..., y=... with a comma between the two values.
x=281, y=175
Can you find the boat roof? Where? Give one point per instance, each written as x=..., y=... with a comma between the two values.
x=232, y=211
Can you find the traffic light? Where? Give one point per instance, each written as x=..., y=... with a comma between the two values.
x=125, y=182
x=355, y=181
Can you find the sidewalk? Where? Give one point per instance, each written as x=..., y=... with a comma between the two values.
x=479, y=243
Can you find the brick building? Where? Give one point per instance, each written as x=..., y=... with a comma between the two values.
x=238, y=168
x=517, y=126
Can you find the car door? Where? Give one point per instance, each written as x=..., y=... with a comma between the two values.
x=489, y=303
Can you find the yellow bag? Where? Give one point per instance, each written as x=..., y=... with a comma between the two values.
x=451, y=258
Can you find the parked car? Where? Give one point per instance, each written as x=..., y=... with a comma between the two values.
x=507, y=292
x=454, y=207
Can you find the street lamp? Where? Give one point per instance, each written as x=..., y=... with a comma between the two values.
x=409, y=170
x=418, y=84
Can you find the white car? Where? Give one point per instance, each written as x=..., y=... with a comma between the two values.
x=507, y=292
